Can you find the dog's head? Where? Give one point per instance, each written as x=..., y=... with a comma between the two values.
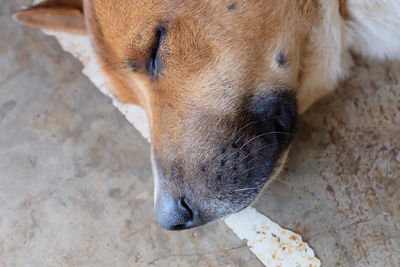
x=217, y=80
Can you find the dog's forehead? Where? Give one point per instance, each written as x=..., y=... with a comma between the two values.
x=123, y=15
x=127, y=14
x=122, y=19
x=133, y=21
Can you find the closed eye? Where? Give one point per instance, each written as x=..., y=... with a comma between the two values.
x=154, y=64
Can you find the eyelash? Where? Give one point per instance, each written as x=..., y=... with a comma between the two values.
x=154, y=63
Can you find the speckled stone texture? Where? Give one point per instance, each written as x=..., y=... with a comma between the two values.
x=76, y=186
x=341, y=187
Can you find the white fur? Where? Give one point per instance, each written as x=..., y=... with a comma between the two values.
x=329, y=59
x=372, y=30
x=375, y=26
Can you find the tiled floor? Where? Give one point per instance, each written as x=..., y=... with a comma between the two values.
x=76, y=186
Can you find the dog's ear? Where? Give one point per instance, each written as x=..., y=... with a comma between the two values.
x=55, y=15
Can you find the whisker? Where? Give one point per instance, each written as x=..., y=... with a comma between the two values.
x=255, y=188
x=255, y=152
x=241, y=129
x=250, y=154
x=250, y=161
x=249, y=170
x=252, y=139
x=245, y=189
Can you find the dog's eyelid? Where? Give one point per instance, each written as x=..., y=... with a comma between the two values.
x=154, y=64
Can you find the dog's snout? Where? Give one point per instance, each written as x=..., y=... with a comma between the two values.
x=175, y=213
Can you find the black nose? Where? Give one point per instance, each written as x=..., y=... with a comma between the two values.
x=174, y=213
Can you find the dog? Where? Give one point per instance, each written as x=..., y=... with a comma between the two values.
x=222, y=82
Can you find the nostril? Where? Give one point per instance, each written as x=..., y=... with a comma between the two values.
x=186, y=220
x=175, y=213
x=185, y=205
x=179, y=227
